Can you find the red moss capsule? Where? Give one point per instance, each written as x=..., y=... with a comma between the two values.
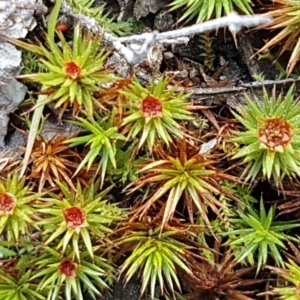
x=62, y=27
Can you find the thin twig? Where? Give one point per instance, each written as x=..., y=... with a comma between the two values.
x=149, y=39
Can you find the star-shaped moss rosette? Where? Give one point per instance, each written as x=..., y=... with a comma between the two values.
x=52, y=160
x=180, y=174
x=153, y=113
x=256, y=232
x=18, y=286
x=16, y=210
x=101, y=138
x=157, y=255
x=70, y=277
x=205, y=10
x=290, y=275
x=271, y=140
x=218, y=276
x=80, y=216
x=74, y=73
x=288, y=287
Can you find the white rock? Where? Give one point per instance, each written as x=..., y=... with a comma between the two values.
x=15, y=17
x=208, y=147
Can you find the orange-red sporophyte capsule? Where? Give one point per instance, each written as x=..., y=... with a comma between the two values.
x=62, y=27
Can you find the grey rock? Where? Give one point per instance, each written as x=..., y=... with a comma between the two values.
x=12, y=93
x=15, y=141
x=168, y=55
x=143, y=7
x=119, y=63
x=53, y=128
x=163, y=21
x=126, y=9
x=10, y=60
x=17, y=17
